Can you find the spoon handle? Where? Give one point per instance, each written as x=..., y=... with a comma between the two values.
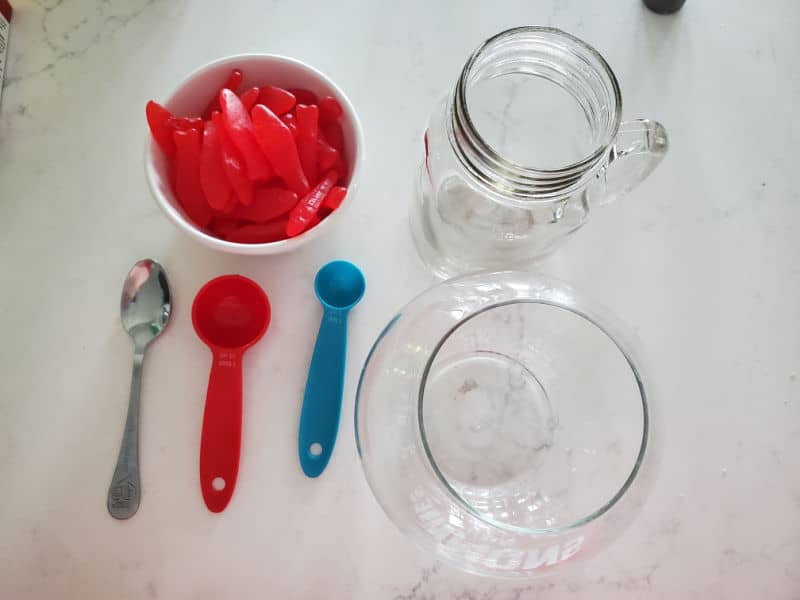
x=220, y=443
x=125, y=490
x=322, y=403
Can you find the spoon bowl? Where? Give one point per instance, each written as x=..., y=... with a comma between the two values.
x=231, y=312
x=339, y=285
x=145, y=304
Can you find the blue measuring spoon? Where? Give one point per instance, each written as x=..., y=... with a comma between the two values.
x=339, y=286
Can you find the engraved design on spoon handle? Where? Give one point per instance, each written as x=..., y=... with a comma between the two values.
x=125, y=490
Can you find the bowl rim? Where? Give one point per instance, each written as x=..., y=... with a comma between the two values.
x=630, y=495
x=279, y=246
x=627, y=353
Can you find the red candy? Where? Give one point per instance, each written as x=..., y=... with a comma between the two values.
x=291, y=123
x=334, y=198
x=186, y=123
x=158, y=119
x=330, y=110
x=187, y=176
x=277, y=143
x=223, y=166
x=243, y=135
x=269, y=203
x=303, y=96
x=259, y=233
x=327, y=155
x=232, y=83
x=213, y=179
x=249, y=98
x=233, y=165
x=307, y=133
x=278, y=100
x=303, y=214
x=334, y=135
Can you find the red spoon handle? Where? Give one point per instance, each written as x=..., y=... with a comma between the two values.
x=222, y=430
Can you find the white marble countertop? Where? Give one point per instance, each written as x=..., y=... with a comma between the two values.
x=703, y=260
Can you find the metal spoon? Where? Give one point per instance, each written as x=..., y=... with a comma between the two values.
x=145, y=308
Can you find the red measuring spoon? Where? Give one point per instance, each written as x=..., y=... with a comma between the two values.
x=230, y=314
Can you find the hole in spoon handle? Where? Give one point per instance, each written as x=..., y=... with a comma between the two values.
x=222, y=430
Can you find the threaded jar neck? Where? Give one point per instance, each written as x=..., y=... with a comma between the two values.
x=560, y=59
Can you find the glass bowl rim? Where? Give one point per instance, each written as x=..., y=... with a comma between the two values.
x=598, y=512
x=567, y=298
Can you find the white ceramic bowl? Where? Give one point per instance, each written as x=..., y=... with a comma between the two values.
x=190, y=99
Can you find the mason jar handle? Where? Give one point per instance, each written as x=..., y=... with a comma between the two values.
x=638, y=149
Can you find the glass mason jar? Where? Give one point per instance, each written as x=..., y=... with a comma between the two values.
x=517, y=155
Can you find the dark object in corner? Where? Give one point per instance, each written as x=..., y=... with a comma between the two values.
x=664, y=7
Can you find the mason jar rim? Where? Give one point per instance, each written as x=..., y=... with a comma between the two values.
x=507, y=176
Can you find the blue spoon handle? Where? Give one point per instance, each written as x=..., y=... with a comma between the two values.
x=322, y=403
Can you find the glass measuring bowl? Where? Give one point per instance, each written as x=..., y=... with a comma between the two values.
x=530, y=139
x=504, y=424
